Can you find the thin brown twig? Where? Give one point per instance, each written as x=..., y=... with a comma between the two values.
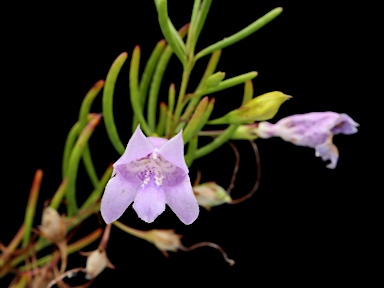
x=235, y=169
x=258, y=176
x=68, y=273
x=231, y=262
x=198, y=178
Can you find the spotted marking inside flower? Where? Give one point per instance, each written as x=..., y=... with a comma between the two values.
x=152, y=167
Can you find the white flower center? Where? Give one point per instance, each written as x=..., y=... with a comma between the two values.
x=152, y=167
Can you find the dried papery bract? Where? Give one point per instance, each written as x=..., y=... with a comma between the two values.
x=97, y=260
x=210, y=194
x=53, y=226
x=164, y=240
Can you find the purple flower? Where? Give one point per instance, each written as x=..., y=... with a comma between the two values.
x=151, y=173
x=313, y=130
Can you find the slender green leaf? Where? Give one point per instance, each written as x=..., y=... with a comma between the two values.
x=134, y=90
x=259, y=23
x=109, y=89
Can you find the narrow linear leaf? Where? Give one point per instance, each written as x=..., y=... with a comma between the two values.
x=74, y=163
x=169, y=31
x=231, y=82
x=193, y=123
x=248, y=91
x=109, y=89
x=259, y=23
x=171, y=106
x=70, y=142
x=83, y=119
x=147, y=76
x=96, y=193
x=59, y=194
x=201, y=19
x=157, y=79
x=160, y=130
x=134, y=90
x=192, y=147
x=191, y=35
x=31, y=206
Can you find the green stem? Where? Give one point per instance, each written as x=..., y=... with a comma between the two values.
x=72, y=248
x=199, y=92
x=217, y=142
x=180, y=100
x=137, y=233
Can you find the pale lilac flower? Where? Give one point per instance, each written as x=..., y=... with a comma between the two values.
x=151, y=173
x=313, y=130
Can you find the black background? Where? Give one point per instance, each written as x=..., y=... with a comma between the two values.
x=302, y=225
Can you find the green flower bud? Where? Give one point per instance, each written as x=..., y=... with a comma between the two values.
x=260, y=108
x=210, y=194
x=215, y=79
x=245, y=132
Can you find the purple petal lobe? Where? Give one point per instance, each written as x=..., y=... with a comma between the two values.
x=345, y=125
x=138, y=147
x=328, y=151
x=182, y=201
x=118, y=195
x=149, y=202
x=173, y=151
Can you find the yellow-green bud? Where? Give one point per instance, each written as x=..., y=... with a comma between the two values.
x=245, y=132
x=260, y=108
x=215, y=79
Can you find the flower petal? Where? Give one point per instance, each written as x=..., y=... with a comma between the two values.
x=118, y=195
x=138, y=147
x=173, y=151
x=149, y=202
x=182, y=201
x=328, y=151
x=345, y=124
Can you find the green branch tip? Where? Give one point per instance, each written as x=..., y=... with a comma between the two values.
x=250, y=29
